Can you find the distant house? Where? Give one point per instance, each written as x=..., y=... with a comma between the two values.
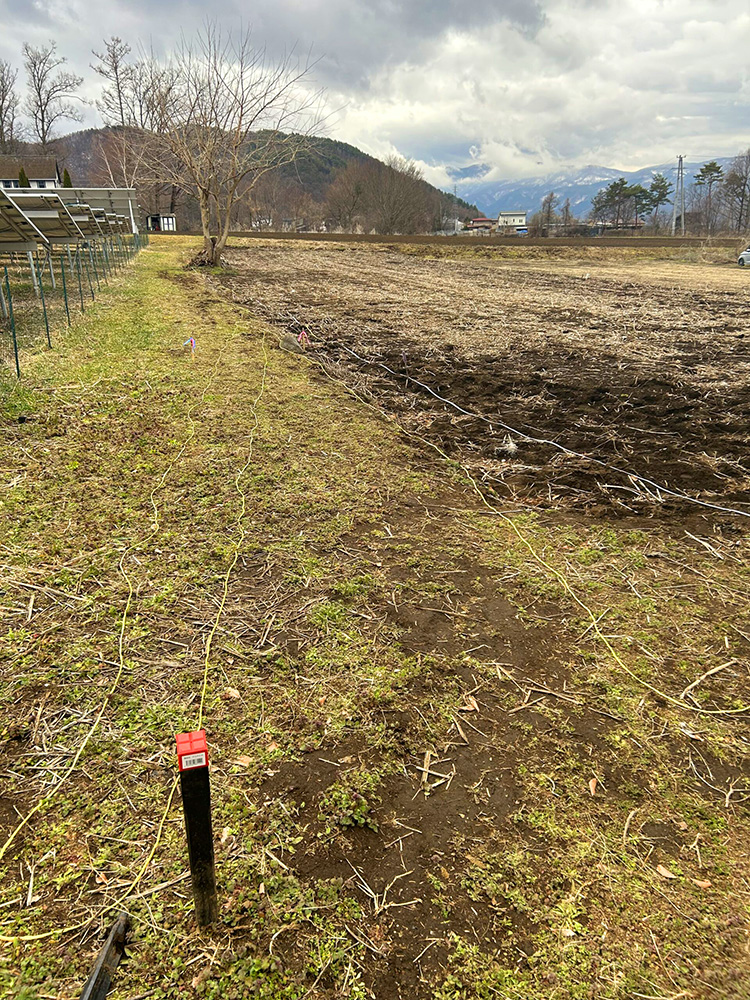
x=42, y=171
x=480, y=225
x=509, y=222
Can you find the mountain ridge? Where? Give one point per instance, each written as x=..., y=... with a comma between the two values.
x=313, y=170
x=476, y=195
x=579, y=184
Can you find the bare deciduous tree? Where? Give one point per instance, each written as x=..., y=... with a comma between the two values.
x=390, y=197
x=549, y=204
x=8, y=107
x=227, y=116
x=115, y=103
x=346, y=197
x=50, y=94
x=396, y=197
x=735, y=192
x=120, y=160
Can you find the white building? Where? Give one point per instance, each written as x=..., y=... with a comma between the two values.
x=509, y=221
x=161, y=223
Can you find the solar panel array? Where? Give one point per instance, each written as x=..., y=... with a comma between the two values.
x=17, y=232
x=68, y=242
x=50, y=216
x=118, y=201
x=31, y=220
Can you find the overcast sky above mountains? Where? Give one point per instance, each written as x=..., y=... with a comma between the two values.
x=492, y=88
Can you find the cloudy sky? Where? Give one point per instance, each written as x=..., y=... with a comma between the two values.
x=513, y=87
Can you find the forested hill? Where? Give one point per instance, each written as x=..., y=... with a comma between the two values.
x=313, y=171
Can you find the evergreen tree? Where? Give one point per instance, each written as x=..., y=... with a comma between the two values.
x=641, y=201
x=67, y=182
x=659, y=192
x=708, y=176
x=23, y=179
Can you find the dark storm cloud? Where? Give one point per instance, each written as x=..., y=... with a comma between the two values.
x=357, y=38
x=352, y=39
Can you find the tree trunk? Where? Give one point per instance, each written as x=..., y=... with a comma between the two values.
x=224, y=225
x=205, y=207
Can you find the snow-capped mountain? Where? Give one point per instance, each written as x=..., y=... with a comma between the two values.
x=580, y=185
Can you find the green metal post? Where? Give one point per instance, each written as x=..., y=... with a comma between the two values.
x=12, y=323
x=92, y=258
x=88, y=274
x=105, y=259
x=44, y=308
x=78, y=271
x=65, y=287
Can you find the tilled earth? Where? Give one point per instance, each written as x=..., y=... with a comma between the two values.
x=652, y=380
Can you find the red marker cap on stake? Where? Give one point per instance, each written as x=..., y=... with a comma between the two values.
x=192, y=750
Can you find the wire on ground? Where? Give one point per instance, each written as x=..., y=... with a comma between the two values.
x=562, y=579
x=553, y=444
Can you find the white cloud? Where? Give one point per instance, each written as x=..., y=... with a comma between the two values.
x=520, y=86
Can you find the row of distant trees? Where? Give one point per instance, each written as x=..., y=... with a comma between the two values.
x=389, y=197
x=364, y=196
x=717, y=200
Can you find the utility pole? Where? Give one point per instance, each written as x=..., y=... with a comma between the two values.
x=682, y=195
x=679, y=192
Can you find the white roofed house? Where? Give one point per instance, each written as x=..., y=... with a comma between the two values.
x=510, y=222
x=41, y=171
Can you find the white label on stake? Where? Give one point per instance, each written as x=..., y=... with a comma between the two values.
x=193, y=760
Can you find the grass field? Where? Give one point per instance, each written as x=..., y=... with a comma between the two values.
x=477, y=709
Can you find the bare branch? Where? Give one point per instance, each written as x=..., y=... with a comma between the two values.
x=221, y=115
x=8, y=107
x=50, y=94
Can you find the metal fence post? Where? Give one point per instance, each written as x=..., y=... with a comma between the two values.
x=12, y=323
x=44, y=305
x=88, y=271
x=92, y=258
x=65, y=287
x=80, y=282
